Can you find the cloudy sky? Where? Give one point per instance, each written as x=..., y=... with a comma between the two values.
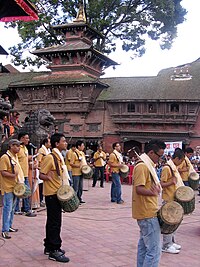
x=185, y=48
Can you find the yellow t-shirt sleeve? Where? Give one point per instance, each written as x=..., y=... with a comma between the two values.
x=4, y=163
x=165, y=174
x=140, y=172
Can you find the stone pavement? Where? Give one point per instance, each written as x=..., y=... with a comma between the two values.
x=98, y=234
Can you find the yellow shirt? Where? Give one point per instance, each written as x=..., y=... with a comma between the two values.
x=76, y=171
x=50, y=187
x=68, y=158
x=23, y=159
x=99, y=162
x=143, y=207
x=168, y=192
x=184, y=175
x=7, y=184
x=113, y=159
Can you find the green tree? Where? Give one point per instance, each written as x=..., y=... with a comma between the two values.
x=131, y=21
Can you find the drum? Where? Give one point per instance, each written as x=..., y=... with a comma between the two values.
x=22, y=190
x=184, y=195
x=170, y=217
x=193, y=180
x=124, y=171
x=87, y=171
x=68, y=198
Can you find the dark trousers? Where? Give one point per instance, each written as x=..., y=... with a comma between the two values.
x=98, y=170
x=78, y=185
x=53, y=224
x=40, y=192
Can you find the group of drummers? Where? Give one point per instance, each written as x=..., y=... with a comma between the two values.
x=174, y=189
x=63, y=188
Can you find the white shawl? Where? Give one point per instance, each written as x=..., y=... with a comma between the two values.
x=151, y=166
x=47, y=151
x=176, y=173
x=65, y=175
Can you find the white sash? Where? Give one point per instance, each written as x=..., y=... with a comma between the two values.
x=176, y=173
x=65, y=175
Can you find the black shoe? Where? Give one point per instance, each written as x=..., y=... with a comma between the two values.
x=101, y=186
x=82, y=202
x=47, y=251
x=113, y=200
x=58, y=256
x=120, y=202
x=30, y=214
x=93, y=185
x=13, y=230
x=5, y=235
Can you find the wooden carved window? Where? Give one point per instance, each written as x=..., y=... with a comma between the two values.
x=174, y=107
x=76, y=128
x=152, y=108
x=131, y=107
x=93, y=127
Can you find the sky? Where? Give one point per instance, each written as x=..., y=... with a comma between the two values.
x=184, y=50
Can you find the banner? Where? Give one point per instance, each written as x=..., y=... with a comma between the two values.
x=171, y=146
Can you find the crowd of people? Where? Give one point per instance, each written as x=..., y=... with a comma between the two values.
x=44, y=170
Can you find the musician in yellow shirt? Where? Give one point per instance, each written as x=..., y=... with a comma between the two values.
x=169, y=185
x=24, y=159
x=51, y=172
x=146, y=188
x=184, y=167
x=76, y=162
x=115, y=162
x=9, y=175
x=67, y=161
x=99, y=164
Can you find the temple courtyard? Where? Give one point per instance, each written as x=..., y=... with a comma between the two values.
x=98, y=234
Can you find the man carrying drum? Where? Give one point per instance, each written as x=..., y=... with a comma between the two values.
x=146, y=188
x=67, y=161
x=78, y=160
x=24, y=159
x=116, y=162
x=99, y=164
x=170, y=181
x=9, y=169
x=185, y=167
x=51, y=171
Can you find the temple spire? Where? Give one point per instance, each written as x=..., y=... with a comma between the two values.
x=80, y=17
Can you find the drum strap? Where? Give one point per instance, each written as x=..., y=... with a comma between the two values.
x=56, y=164
x=76, y=154
x=12, y=166
x=116, y=156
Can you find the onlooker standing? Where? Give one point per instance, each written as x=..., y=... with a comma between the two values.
x=99, y=164
x=115, y=162
x=24, y=158
x=77, y=161
x=146, y=188
x=10, y=169
x=50, y=166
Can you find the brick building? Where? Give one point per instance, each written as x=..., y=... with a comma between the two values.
x=130, y=110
